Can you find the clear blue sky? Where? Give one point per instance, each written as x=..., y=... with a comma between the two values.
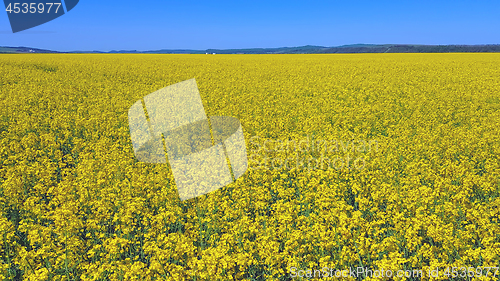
x=154, y=24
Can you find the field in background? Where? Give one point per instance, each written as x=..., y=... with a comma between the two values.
x=76, y=205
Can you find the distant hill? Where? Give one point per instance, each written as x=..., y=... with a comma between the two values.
x=20, y=50
x=308, y=49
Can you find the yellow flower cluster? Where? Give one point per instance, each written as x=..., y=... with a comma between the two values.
x=75, y=204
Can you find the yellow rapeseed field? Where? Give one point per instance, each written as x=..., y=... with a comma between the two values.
x=412, y=180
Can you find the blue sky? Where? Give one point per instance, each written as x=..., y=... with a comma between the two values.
x=152, y=25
